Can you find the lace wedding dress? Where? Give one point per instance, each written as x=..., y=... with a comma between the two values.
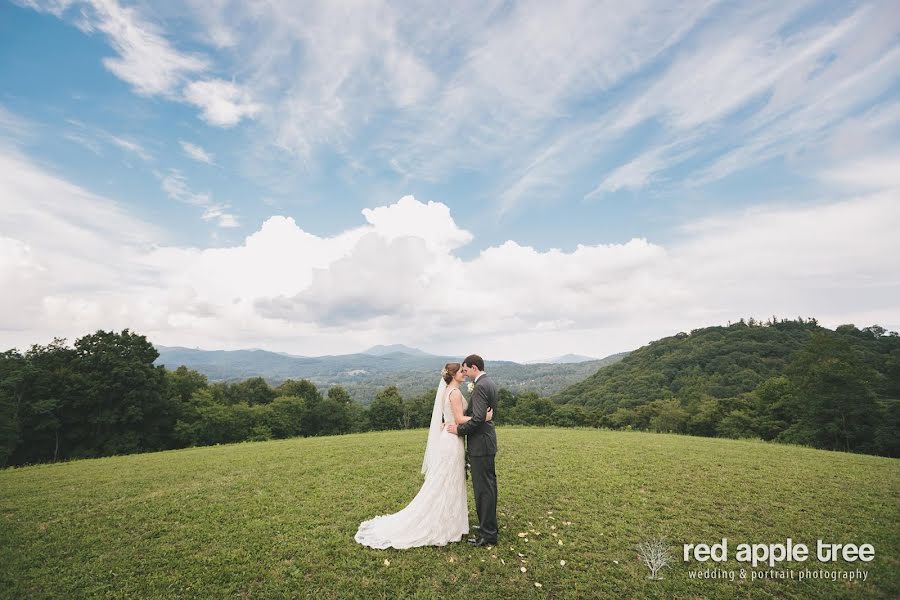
x=439, y=513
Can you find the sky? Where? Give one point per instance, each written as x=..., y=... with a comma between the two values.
x=517, y=179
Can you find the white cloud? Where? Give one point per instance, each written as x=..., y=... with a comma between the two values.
x=869, y=172
x=533, y=95
x=175, y=185
x=223, y=103
x=131, y=146
x=197, y=153
x=146, y=60
x=218, y=214
x=79, y=263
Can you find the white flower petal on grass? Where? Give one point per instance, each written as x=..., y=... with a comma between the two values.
x=562, y=563
x=523, y=569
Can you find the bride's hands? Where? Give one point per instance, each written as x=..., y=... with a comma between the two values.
x=489, y=416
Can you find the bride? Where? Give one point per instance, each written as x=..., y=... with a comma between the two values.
x=439, y=513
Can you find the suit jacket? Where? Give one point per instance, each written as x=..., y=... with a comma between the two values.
x=481, y=439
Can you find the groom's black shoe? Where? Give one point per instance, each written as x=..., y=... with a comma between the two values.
x=480, y=541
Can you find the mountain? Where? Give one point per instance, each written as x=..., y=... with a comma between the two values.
x=395, y=349
x=365, y=374
x=789, y=381
x=565, y=359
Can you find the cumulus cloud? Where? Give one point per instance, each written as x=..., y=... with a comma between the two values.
x=396, y=277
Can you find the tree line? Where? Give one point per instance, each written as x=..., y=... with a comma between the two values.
x=785, y=381
x=104, y=396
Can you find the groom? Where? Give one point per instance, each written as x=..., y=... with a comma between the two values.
x=481, y=442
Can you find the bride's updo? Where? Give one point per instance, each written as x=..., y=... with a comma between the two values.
x=449, y=371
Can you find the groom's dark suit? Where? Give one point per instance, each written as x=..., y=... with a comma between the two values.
x=481, y=444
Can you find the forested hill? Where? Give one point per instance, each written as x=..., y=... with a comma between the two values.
x=787, y=380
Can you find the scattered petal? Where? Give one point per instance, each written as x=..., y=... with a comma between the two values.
x=522, y=534
x=559, y=542
x=562, y=563
x=615, y=561
x=549, y=512
x=521, y=555
x=502, y=561
x=387, y=563
x=523, y=569
x=537, y=585
x=554, y=527
x=554, y=534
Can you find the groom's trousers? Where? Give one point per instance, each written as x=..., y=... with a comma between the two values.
x=484, y=484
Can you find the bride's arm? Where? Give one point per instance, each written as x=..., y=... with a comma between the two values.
x=456, y=407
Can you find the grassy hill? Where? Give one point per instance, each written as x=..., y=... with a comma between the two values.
x=276, y=519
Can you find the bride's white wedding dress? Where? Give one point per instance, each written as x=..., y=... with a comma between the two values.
x=439, y=513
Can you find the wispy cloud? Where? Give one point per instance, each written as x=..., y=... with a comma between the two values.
x=151, y=64
x=131, y=146
x=578, y=96
x=175, y=185
x=197, y=153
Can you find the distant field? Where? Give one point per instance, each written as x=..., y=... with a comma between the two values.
x=276, y=519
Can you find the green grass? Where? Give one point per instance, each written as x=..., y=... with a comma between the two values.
x=277, y=519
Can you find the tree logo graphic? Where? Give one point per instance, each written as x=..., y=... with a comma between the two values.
x=655, y=555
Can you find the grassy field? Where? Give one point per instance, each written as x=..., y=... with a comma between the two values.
x=276, y=519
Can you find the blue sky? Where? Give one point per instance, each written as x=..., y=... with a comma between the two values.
x=586, y=176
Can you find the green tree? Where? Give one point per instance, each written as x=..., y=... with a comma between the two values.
x=668, y=416
x=386, y=411
x=125, y=404
x=835, y=388
x=359, y=418
x=183, y=382
x=286, y=416
x=254, y=391
x=339, y=394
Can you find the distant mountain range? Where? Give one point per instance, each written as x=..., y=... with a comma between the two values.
x=565, y=359
x=364, y=374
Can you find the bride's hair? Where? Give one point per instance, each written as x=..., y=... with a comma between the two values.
x=450, y=370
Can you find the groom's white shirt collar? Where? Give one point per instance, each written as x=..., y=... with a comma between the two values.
x=479, y=376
